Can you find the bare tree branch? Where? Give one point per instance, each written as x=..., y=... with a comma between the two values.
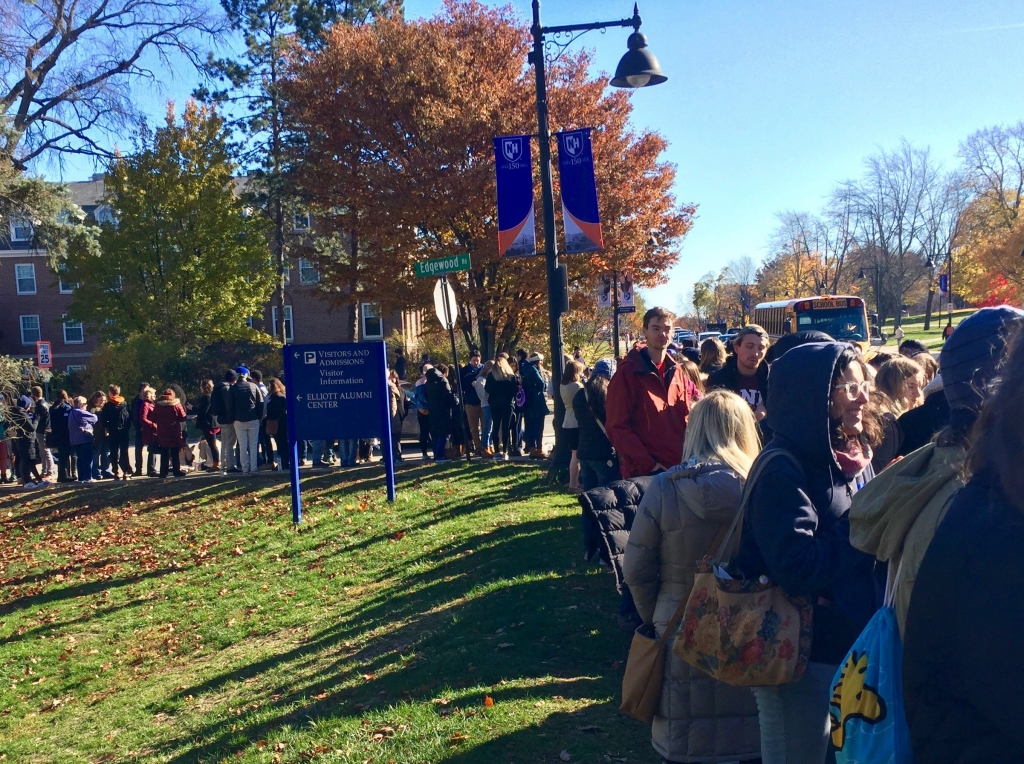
x=68, y=67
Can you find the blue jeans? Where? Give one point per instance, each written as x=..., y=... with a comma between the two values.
x=347, y=450
x=534, y=430
x=84, y=451
x=440, y=441
x=485, y=438
x=318, y=452
x=794, y=717
x=595, y=473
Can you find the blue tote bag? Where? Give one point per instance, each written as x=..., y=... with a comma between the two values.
x=866, y=713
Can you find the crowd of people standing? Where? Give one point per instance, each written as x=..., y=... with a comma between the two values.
x=850, y=475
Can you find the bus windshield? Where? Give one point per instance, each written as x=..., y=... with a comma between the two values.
x=840, y=324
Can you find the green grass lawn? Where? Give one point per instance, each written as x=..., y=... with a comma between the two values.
x=914, y=328
x=189, y=621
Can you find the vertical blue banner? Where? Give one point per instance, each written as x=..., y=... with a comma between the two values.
x=580, y=216
x=514, y=171
x=944, y=283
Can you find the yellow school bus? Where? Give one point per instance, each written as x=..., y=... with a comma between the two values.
x=841, y=317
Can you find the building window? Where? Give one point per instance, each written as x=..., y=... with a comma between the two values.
x=25, y=274
x=249, y=322
x=103, y=214
x=300, y=221
x=75, y=368
x=21, y=230
x=373, y=325
x=30, y=330
x=289, y=333
x=74, y=334
x=64, y=287
x=308, y=274
x=115, y=283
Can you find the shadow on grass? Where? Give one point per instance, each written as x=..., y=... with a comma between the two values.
x=508, y=605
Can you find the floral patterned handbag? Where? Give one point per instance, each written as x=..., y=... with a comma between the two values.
x=744, y=632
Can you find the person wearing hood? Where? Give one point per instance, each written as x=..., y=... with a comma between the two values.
x=797, y=533
x=962, y=661
x=895, y=517
x=117, y=420
x=648, y=403
x=168, y=414
x=440, y=401
x=682, y=513
x=787, y=342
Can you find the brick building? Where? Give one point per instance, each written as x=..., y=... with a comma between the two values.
x=35, y=300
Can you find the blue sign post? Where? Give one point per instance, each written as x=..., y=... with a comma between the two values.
x=338, y=391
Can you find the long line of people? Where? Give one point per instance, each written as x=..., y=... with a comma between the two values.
x=838, y=512
x=240, y=415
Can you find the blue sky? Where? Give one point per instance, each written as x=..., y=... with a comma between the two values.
x=770, y=104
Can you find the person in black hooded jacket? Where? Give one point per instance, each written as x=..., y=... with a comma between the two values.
x=440, y=400
x=962, y=659
x=797, y=533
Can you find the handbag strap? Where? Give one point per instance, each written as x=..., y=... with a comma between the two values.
x=677, y=616
x=600, y=424
x=760, y=463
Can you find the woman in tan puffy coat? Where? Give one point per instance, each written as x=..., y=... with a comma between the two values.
x=682, y=514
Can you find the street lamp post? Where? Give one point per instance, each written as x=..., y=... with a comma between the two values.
x=638, y=68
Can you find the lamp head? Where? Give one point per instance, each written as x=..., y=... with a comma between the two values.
x=638, y=68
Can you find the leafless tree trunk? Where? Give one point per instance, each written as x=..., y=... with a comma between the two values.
x=890, y=212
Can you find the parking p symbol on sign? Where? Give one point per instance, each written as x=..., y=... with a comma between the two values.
x=309, y=356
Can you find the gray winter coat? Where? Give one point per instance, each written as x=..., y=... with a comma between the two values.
x=682, y=511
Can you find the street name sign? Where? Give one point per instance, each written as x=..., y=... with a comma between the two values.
x=442, y=265
x=337, y=391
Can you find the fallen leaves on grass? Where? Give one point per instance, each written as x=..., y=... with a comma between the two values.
x=458, y=737
x=488, y=701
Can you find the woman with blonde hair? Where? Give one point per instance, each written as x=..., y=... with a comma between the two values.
x=679, y=518
x=501, y=387
x=571, y=384
x=898, y=387
x=902, y=380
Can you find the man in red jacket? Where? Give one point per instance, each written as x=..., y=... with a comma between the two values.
x=649, y=402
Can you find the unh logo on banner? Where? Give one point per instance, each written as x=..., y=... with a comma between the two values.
x=512, y=148
x=573, y=144
x=514, y=174
x=580, y=216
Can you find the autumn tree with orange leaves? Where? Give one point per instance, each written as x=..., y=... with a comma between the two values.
x=393, y=125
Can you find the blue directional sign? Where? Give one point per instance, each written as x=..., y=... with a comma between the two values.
x=337, y=391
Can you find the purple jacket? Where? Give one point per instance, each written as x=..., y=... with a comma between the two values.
x=78, y=422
